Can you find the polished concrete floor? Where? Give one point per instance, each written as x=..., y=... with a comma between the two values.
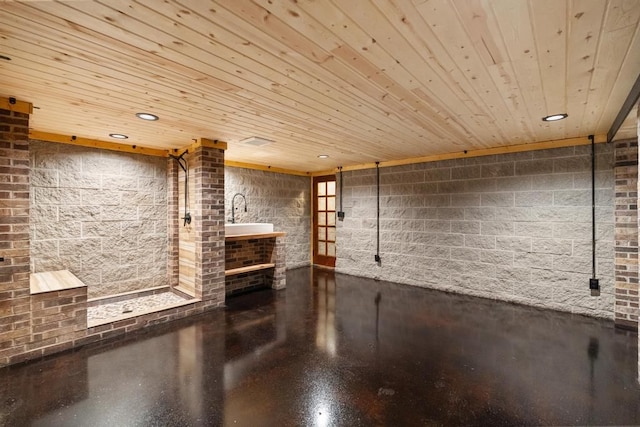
x=338, y=350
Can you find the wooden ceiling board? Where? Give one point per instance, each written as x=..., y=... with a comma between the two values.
x=421, y=44
x=494, y=108
x=586, y=19
x=628, y=67
x=619, y=31
x=382, y=80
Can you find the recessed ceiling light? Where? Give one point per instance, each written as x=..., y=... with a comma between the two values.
x=555, y=117
x=118, y=136
x=147, y=116
x=323, y=156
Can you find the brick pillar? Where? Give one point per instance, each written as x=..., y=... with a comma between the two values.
x=15, y=319
x=637, y=204
x=626, y=234
x=208, y=221
x=172, y=226
x=278, y=257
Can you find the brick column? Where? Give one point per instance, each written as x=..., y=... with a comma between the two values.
x=637, y=200
x=626, y=234
x=172, y=226
x=15, y=319
x=208, y=171
x=278, y=257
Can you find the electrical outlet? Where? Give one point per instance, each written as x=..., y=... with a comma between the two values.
x=377, y=258
x=340, y=215
x=594, y=284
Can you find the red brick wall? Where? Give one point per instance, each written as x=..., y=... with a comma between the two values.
x=626, y=234
x=33, y=326
x=243, y=253
x=15, y=320
x=208, y=222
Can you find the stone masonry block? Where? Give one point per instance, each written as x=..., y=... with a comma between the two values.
x=482, y=242
x=563, y=181
x=497, y=228
x=465, y=227
x=465, y=200
x=572, y=198
x=534, y=167
x=498, y=170
x=481, y=214
x=534, y=198
x=552, y=246
x=498, y=199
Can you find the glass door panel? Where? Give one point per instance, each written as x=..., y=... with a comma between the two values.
x=324, y=207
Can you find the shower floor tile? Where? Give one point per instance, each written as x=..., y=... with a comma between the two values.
x=143, y=304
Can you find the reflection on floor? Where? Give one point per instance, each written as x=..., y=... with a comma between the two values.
x=339, y=350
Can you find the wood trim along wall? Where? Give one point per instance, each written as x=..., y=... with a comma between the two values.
x=69, y=139
x=87, y=142
x=18, y=106
x=544, y=145
x=114, y=146
x=205, y=142
x=267, y=168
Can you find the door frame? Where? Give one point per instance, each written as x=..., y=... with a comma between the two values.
x=323, y=260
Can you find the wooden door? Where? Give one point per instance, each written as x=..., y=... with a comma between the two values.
x=324, y=220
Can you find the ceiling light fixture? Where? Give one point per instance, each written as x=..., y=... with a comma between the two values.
x=118, y=136
x=147, y=116
x=256, y=141
x=555, y=117
x=323, y=156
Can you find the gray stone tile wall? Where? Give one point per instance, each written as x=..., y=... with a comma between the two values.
x=100, y=214
x=277, y=198
x=514, y=227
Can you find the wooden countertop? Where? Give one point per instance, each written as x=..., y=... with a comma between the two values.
x=255, y=236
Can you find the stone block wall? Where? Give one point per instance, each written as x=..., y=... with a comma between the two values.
x=277, y=198
x=173, y=225
x=100, y=214
x=626, y=234
x=514, y=227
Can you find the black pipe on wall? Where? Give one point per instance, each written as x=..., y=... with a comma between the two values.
x=594, y=283
x=377, y=256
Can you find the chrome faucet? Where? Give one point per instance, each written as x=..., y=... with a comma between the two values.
x=233, y=206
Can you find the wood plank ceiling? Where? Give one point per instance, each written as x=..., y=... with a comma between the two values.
x=361, y=81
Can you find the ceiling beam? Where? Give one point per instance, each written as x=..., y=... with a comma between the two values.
x=13, y=104
x=629, y=103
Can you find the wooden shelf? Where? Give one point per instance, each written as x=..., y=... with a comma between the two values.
x=248, y=269
x=255, y=236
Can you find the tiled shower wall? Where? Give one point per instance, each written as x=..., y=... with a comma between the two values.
x=100, y=214
x=283, y=200
x=515, y=227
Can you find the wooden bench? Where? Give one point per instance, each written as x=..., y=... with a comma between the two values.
x=51, y=281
